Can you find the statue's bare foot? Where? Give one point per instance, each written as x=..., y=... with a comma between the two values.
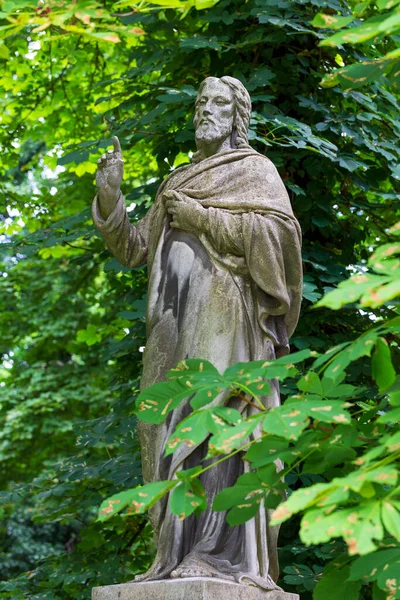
x=191, y=571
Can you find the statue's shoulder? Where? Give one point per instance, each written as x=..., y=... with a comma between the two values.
x=260, y=159
x=259, y=164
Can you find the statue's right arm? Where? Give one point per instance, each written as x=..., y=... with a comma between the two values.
x=127, y=242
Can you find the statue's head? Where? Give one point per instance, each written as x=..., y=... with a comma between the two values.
x=222, y=112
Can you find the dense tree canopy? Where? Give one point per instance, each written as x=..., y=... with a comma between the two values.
x=72, y=318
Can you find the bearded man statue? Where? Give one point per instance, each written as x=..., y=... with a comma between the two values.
x=223, y=251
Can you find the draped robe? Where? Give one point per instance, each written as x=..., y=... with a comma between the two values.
x=230, y=293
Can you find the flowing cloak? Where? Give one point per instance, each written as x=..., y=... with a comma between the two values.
x=231, y=293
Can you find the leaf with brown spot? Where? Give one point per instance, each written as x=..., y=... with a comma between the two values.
x=134, y=501
x=279, y=421
x=188, y=497
x=233, y=437
x=391, y=519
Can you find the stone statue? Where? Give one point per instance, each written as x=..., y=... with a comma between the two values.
x=223, y=251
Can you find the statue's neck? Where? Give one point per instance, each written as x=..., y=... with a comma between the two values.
x=208, y=149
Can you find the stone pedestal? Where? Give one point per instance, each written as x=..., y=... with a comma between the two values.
x=187, y=589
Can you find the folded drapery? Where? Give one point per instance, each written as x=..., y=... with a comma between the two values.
x=231, y=293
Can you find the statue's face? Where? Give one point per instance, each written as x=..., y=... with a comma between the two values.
x=214, y=113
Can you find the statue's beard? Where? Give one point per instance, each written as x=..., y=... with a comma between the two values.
x=208, y=131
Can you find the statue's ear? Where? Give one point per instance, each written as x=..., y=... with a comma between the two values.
x=234, y=138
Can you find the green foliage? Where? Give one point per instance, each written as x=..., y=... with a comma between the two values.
x=137, y=500
x=361, y=506
x=369, y=289
x=371, y=22
x=336, y=581
x=72, y=319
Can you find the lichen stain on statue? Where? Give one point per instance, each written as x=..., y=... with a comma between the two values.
x=223, y=250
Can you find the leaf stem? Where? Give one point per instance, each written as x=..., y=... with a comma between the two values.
x=243, y=387
x=221, y=460
x=384, y=461
x=290, y=468
x=393, y=492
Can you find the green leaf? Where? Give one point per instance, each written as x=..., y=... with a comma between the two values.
x=377, y=593
x=202, y=378
x=389, y=581
x=337, y=391
x=382, y=368
x=393, y=391
x=331, y=21
x=204, y=393
x=392, y=416
x=311, y=383
x=241, y=491
x=395, y=229
x=199, y=42
x=392, y=442
x=328, y=411
x=368, y=567
x=301, y=575
x=370, y=455
x=135, y=501
x=391, y=519
x=89, y=336
x=384, y=293
x=363, y=346
x=356, y=75
x=382, y=259
x=362, y=33
x=242, y=512
x=188, y=474
x=266, y=450
x=361, y=7
x=191, y=431
x=194, y=429
x=260, y=78
x=233, y=437
x=188, y=497
x=228, y=414
x=327, y=356
x=256, y=372
x=386, y=4
x=105, y=36
x=268, y=475
x=335, y=584
x=4, y=51
x=244, y=498
x=279, y=368
x=360, y=528
x=193, y=367
x=304, y=498
x=154, y=403
x=334, y=492
x=351, y=290
x=286, y=421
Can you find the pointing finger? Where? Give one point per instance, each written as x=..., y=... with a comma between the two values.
x=117, y=146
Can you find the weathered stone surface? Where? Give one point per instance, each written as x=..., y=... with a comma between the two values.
x=222, y=246
x=187, y=589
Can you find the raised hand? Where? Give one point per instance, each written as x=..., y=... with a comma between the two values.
x=108, y=178
x=187, y=214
